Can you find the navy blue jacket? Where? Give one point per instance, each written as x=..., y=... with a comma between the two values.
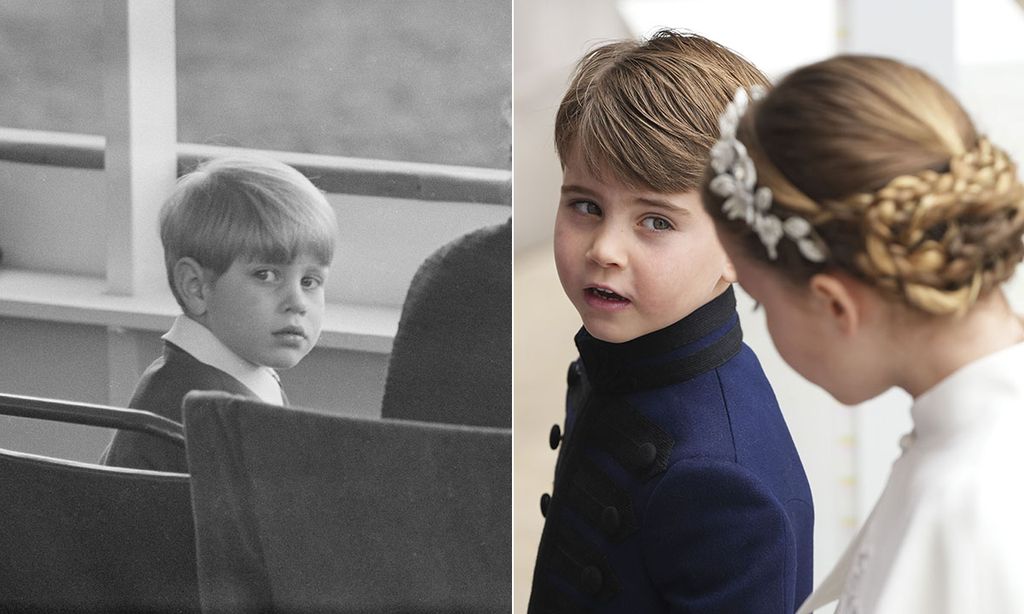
x=677, y=487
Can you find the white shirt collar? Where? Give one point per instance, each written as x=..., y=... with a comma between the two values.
x=205, y=347
x=971, y=398
x=952, y=406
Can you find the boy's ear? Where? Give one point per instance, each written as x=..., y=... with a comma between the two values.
x=836, y=297
x=190, y=282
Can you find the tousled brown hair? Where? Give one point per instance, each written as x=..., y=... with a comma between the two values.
x=889, y=169
x=647, y=111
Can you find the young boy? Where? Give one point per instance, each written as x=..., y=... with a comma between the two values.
x=248, y=242
x=678, y=487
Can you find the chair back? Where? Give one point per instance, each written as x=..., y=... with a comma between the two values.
x=84, y=537
x=304, y=511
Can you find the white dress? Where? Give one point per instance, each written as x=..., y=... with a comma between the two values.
x=947, y=533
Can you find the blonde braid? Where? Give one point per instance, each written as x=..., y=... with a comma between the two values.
x=940, y=240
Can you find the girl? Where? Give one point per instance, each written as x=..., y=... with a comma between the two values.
x=863, y=210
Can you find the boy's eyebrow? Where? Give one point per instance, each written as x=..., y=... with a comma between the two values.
x=649, y=200
x=578, y=189
x=654, y=201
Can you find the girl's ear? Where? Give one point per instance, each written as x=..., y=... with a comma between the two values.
x=837, y=297
x=190, y=283
x=729, y=271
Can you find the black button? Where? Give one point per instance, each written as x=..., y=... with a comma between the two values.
x=647, y=453
x=545, y=501
x=554, y=437
x=610, y=520
x=591, y=580
x=574, y=374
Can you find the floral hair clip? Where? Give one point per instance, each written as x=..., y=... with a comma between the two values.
x=736, y=180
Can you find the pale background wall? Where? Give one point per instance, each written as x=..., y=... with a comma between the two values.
x=971, y=45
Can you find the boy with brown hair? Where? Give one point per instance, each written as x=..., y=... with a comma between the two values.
x=678, y=487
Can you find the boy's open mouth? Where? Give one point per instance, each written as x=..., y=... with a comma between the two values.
x=606, y=295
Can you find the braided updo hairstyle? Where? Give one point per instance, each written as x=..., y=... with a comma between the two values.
x=890, y=172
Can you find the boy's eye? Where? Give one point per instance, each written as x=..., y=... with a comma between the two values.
x=266, y=275
x=311, y=283
x=652, y=222
x=586, y=207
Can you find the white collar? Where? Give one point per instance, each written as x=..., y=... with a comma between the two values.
x=952, y=406
x=205, y=347
x=963, y=399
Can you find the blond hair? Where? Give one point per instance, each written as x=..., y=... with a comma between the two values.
x=890, y=171
x=250, y=207
x=647, y=111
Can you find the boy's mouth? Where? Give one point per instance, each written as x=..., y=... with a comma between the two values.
x=290, y=332
x=604, y=298
x=608, y=295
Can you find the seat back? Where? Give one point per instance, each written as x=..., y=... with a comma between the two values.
x=82, y=537
x=304, y=511
x=452, y=356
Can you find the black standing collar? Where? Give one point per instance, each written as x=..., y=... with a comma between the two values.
x=650, y=361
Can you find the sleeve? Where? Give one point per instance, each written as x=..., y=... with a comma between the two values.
x=136, y=450
x=962, y=551
x=143, y=451
x=715, y=539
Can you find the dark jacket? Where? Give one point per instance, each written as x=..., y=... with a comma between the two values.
x=439, y=369
x=161, y=390
x=677, y=487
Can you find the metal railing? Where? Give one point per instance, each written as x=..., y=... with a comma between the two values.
x=89, y=414
x=333, y=174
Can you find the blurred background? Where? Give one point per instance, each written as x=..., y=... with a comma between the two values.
x=975, y=47
x=413, y=80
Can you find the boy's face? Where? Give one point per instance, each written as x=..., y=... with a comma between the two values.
x=269, y=314
x=633, y=262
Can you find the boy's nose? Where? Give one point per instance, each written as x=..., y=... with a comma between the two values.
x=295, y=300
x=608, y=248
